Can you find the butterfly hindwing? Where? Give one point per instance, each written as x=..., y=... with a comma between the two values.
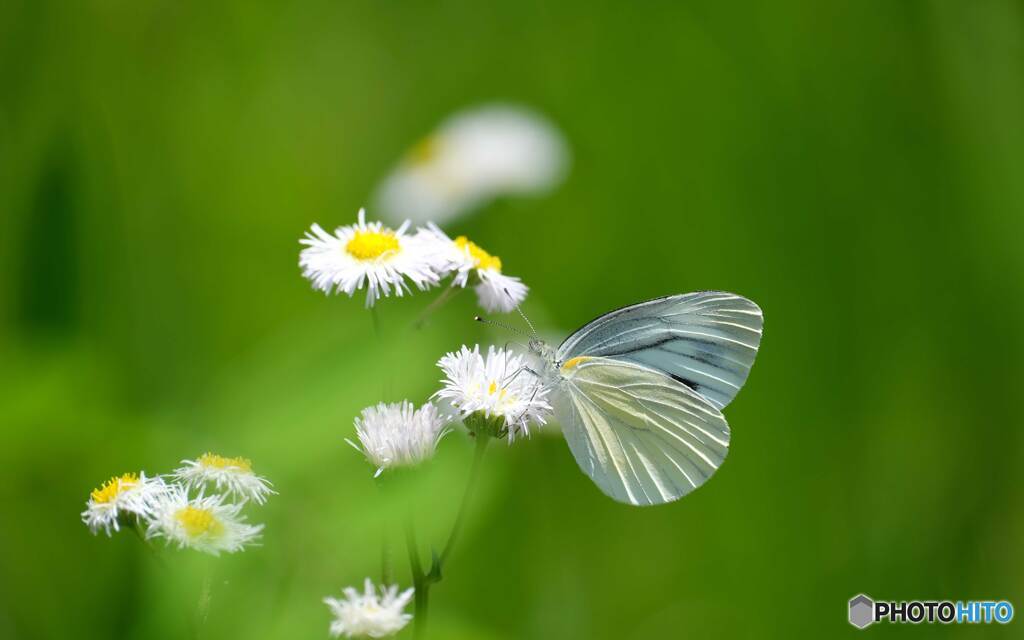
x=644, y=438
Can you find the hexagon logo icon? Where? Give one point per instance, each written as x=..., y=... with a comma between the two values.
x=862, y=611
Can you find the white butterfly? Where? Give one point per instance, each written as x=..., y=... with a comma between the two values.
x=639, y=391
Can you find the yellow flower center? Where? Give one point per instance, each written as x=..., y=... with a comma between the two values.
x=111, y=488
x=370, y=245
x=423, y=151
x=197, y=522
x=494, y=388
x=220, y=462
x=481, y=258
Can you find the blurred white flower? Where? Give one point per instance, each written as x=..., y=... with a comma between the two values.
x=474, y=156
x=126, y=495
x=368, y=615
x=398, y=435
x=366, y=254
x=204, y=523
x=496, y=386
x=495, y=291
x=231, y=475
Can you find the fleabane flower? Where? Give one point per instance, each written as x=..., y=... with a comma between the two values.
x=495, y=386
x=366, y=255
x=464, y=259
x=369, y=614
x=204, y=523
x=473, y=157
x=398, y=435
x=122, y=497
x=233, y=476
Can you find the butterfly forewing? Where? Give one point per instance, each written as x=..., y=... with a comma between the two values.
x=644, y=438
x=706, y=340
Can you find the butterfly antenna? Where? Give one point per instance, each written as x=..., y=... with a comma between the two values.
x=499, y=324
x=522, y=315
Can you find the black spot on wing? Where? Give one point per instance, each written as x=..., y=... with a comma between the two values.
x=655, y=343
x=690, y=383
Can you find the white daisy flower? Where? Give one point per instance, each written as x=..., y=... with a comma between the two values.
x=204, y=523
x=495, y=386
x=366, y=254
x=233, y=476
x=495, y=291
x=498, y=292
x=396, y=435
x=473, y=157
x=367, y=614
x=122, y=497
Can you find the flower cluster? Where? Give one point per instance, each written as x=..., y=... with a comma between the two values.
x=475, y=157
x=495, y=394
x=176, y=507
x=385, y=261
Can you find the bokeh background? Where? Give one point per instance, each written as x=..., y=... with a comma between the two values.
x=855, y=168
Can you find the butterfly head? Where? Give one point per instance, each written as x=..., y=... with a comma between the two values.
x=539, y=347
x=543, y=351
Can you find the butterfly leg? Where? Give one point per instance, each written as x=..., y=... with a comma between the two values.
x=524, y=369
x=537, y=388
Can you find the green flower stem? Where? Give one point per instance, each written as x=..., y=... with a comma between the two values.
x=482, y=439
x=387, y=573
x=423, y=581
x=386, y=569
x=421, y=586
x=438, y=302
x=203, y=606
x=136, y=526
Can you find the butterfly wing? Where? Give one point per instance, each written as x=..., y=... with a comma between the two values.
x=706, y=340
x=643, y=437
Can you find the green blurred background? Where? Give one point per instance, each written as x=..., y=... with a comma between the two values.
x=855, y=168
